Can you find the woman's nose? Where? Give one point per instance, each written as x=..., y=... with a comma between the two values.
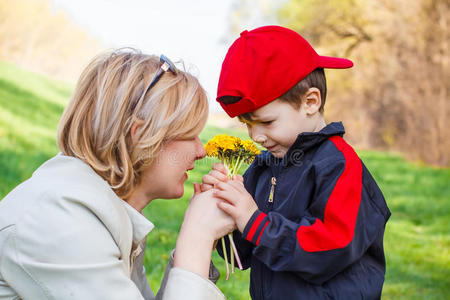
x=201, y=152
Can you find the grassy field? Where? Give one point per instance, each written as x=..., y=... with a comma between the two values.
x=417, y=240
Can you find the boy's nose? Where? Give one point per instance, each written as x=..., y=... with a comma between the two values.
x=259, y=138
x=256, y=135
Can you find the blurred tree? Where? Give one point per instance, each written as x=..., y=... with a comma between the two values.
x=36, y=36
x=326, y=21
x=396, y=96
x=248, y=14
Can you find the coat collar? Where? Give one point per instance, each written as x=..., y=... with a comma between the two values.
x=304, y=142
x=70, y=165
x=141, y=225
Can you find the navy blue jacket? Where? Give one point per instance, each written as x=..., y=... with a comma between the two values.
x=320, y=235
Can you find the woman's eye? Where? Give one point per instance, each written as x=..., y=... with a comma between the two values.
x=266, y=122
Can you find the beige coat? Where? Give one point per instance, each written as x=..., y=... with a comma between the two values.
x=64, y=234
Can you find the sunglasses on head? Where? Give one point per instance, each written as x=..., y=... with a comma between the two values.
x=167, y=65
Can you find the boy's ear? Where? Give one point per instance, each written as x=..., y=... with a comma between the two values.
x=312, y=101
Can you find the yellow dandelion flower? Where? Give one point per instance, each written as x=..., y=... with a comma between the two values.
x=232, y=151
x=250, y=147
x=212, y=148
x=226, y=142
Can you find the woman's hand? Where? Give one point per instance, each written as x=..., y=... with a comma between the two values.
x=205, y=217
x=203, y=223
x=218, y=173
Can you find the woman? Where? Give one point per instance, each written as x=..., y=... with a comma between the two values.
x=75, y=229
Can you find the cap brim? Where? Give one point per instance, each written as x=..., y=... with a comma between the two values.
x=334, y=62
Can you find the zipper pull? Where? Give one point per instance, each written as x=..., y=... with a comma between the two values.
x=272, y=189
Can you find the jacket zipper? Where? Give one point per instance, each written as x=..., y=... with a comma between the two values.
x=273, y=181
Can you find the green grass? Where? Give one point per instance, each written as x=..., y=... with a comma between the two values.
x=417, y=240
x=30, y=107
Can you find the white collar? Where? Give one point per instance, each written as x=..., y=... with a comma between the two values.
x=141, y=225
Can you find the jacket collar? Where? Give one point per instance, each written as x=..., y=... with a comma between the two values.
x=304, y=142
x=141, y=225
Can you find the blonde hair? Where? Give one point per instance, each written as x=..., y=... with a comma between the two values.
x=108, y=98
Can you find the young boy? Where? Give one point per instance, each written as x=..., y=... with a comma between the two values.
x=316, y=229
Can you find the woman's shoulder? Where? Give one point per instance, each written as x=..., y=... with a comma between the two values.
x=65, y=199
x=67, y=171
x=63, y=179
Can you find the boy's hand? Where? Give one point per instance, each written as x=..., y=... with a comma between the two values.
x=237, y=202
x=217, y=174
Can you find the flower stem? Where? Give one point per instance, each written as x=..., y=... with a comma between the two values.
x=234, y=171
x=238, y=260
x=226, y=257
x=239, y=165
x=231, y=253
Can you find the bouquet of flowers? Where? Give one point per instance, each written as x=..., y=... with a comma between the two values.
x=233, y=152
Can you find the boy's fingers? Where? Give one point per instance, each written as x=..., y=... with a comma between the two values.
x=237, y=185
x=240, y=186
x=221, y=168
x=208, y=179
x=226, y=207
x=238, y=177
x=206, y=187
x=224, y=196
x=222, y=186
x=228, y=187
x=218, y=175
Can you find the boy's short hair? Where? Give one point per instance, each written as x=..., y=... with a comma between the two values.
x=294, y=96
x=314, y=79
x=264, y=64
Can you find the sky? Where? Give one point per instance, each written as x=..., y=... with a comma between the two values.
x=192, y=31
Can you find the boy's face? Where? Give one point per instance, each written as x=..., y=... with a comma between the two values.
x=277, y=124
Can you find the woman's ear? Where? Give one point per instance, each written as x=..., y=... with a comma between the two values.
x=312, y=101
x=135, y=129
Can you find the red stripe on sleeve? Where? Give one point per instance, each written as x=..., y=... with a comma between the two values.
x=255, y=225
x=259, y=237
x=338, y=226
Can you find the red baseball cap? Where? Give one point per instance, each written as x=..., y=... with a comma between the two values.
x=263, y=64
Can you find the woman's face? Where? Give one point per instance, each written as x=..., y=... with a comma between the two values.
x=165, y=177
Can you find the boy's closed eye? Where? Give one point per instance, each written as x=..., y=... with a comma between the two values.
x=263, y=122
x=266, y=122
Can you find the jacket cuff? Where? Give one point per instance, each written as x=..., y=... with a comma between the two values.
x=255, y=227
x=214, y=273
x=183, y=284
